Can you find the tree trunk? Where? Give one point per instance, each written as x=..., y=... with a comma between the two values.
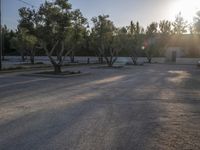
x=111, y=61
x=32, y=59
x=3, y=54
x=101, y=59
x=149, y=60
x=88, y=61
x=57, y=69
x=23, y=57
x=72, y=57
x=110, y=64
x=134, y=59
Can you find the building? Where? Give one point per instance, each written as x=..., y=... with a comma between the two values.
x=182, y=46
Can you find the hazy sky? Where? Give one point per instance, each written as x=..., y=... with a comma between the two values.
x=120, y=11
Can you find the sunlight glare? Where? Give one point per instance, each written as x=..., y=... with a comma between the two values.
x=188, y=9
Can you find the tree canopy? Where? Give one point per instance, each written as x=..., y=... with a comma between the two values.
x=60, y=31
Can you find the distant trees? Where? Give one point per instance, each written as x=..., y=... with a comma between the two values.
x=197, y=23
x=179, y=25
x=18, y=42
x=165, y=28
x=197, y=31
x=27, y=29
x=151, y=41
x=135, y=40
x=25, y=40
x=79, y=27
x=105, y=38
x=58, y=31
x=124, y=41
x=7, y=35
x=24, y=43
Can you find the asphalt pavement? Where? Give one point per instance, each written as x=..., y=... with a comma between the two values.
x=151, y=107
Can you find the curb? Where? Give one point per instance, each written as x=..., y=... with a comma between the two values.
x=56, y=76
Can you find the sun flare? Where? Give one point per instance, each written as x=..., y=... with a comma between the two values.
x=188, y=8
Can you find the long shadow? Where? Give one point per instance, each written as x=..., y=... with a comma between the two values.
x=180, y=115
x=106, y=121
x=30, y=90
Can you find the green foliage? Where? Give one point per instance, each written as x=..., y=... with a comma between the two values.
x=165, y=27
x=23, y=40
x=78, y=25
x=152, y=29
x=17, y=42
x=14, y=43
x=180, y=25
x=197, y=23
x=54, y=21
x=55, y=32
x=134, y=40
x=27, y=19
x=103, y=29
x=6, y=37
x=104, y=35
x=79, y=31
x=151, y=41
x=61, y=31
x=27, y=30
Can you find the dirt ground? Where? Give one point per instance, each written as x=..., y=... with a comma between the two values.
x=134, y=108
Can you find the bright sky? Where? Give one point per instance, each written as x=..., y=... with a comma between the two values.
x=120, y=11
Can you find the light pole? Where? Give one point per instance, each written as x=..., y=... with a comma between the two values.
x=1, y=46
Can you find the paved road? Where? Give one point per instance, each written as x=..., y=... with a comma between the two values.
x=135, y=108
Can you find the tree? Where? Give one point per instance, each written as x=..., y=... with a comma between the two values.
x=165, y=28
x=197, y=27
x=27, y=26
x=95, y=44
x=78, y=31
x=151, y=41
x=123, y=40
x=24, y=43
x=180, y=25
x=30, y=42
x=17, y=42
x=55, y=30
x=86, y=47
x=106, y=38
x=6, y=36
x=197, y=23
x=97, y=35
x=135, y=41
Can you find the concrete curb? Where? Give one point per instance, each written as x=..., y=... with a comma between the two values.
x=24, y=69
x=56, y=76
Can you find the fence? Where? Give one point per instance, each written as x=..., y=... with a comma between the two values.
x=15, y=60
